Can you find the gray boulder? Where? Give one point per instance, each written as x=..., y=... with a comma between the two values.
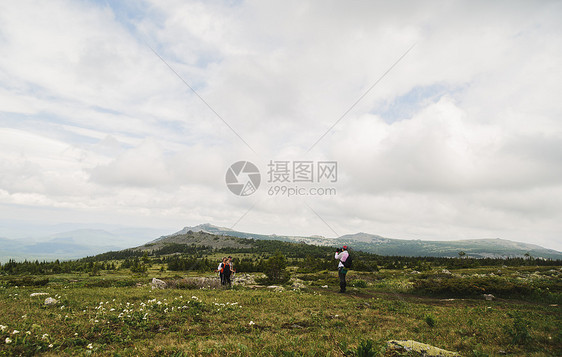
x=158, y=284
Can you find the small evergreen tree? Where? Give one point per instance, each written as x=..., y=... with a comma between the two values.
x=275, y=268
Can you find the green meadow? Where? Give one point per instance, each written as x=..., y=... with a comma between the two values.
x=118, y=313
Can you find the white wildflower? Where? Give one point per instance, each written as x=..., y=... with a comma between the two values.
x=3, y=328
x=28, y=332
x=8, y=340
x=90, y=346
x=45, y=336
x=252, y=323
x=51, y=345
x=15, y=332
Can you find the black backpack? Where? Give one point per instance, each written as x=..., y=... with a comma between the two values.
x=348, y=262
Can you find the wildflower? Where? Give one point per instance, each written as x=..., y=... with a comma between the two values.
x=45, y=336
x=28, y=332
x=8, y=340
x=15, y=332
x=76, y=334
x=252, y=323
x=51, y=345
x=3, y=328
x=90, y=346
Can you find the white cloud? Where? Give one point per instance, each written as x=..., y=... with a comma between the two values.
x=460, y=140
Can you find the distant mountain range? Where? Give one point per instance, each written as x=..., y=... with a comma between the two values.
x=477, y=248
x=80, y=243
x=72, y=244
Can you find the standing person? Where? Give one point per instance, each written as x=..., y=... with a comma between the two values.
x=227, y=271
x=342, y=255
x=220, y=269
x=231, y=266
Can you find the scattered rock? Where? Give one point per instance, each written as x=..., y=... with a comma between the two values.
x=244, y=279
x=363, y=305
x=489, y=297
x=325, y=286
x=415, y=272
x=38, y=294
x=445, y=271
x=276, y=288
x=158, y=284
x=298, y=285
x=422, y=348
x=51, y=301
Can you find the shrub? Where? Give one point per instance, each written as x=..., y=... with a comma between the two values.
x=366, y=349
x=358, y=283
x=275, y=269
x=518, y=331
x=109, y=283
x=430, y=320
x=460, y=287
x=26, y=281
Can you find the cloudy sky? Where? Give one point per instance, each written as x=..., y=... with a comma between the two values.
x=448, y=122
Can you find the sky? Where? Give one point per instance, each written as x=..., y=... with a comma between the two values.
x=434, y=120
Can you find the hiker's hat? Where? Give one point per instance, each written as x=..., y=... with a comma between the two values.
x=345, y=247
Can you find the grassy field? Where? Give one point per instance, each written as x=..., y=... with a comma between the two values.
x=118, y=314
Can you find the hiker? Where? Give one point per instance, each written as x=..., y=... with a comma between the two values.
x=342, y=255
x=231, y=266
x=227, y=271
x=220, y=269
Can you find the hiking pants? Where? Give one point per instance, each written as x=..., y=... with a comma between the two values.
x=341, y=273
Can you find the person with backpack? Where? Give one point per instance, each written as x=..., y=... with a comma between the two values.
x=344, y=264
x=227, y=271
x=220, y=269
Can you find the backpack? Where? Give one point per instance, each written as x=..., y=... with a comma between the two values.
x=226, y=269
x=348, y=262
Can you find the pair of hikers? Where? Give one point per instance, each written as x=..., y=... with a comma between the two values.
x=343, y=265
x=226, y=270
